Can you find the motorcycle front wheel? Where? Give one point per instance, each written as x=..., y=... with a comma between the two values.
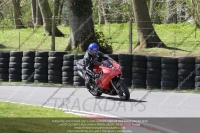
x=122, y=89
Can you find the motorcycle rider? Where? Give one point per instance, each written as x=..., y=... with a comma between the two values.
x=92, y=56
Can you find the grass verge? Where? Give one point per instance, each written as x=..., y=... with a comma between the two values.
x=18, y=118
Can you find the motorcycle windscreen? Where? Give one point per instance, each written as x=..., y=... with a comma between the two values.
x=107, y=63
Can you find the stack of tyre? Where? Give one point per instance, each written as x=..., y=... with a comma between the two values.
x=55, y=61
x=15, y=66
x=169, y=79
x=139, y=67
x=153, y=72
x=186, y=73
x=68, y=69
x=4, y=66
x=28, y=70
x=114, y=57
x=77, y=80
x=197, y=73
x=41, y=67
x=125, y=60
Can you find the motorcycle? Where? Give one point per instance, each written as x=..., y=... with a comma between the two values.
x=109, y=81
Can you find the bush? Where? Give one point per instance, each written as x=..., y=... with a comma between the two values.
x=103, y=43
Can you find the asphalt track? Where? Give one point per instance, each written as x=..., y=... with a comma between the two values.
x=148, y=111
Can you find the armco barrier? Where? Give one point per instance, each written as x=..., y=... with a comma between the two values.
x=139, y=71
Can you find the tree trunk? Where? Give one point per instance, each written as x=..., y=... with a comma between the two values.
x=81, y=24
x=60, y=12
x=56, y=10
x=100, y=13
x=39, y=20
x=1, y=9
x=171, y=15
x=17, y=14
x=104, y=12
x=57, y=7
x=47, y=18
x=151, y=8
x=183, y=11
x=33, y=8
x=147, y=37
x=195, y=11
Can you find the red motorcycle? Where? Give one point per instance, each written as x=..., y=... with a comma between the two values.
x=110, y=79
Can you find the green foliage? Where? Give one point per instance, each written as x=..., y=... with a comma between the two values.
x=26, y=13
x=103, y=42
x=81, y=7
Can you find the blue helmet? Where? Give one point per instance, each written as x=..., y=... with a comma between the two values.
x=93, y=49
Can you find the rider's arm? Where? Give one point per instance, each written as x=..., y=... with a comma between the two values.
x=105, y=57
x=88, y=66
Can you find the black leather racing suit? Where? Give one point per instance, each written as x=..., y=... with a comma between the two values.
x=89, y=62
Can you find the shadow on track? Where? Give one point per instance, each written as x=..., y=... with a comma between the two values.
x=118, y=99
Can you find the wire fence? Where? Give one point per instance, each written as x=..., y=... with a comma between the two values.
x=117, y=35
x=116, y=31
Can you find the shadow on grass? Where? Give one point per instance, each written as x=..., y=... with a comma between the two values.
x=172, y=48
x=2, y=46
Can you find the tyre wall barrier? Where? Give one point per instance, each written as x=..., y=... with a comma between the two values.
x=4, y=66
x=77, y=80
x=197, y=73
x=186, y=73
x=28, y=61
x=15, y=68
x=125, y=60
x=55, y=64
x=139, y=71
x=153, y=72
x=41, y=67
x=68, y=69
x=139, y=66
x=169, y=73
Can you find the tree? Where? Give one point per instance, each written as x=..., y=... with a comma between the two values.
x=171, y=12
x=194, y=9
x=17, y=14
x=147, y=36
x=155, y=11
x=1, y=8
x=103, y=11
x=33, y=8
x=81, y=24
x=36, y=13
x=47, y=18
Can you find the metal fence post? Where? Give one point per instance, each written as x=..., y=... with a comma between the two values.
x=130, y=37
x=19, y=41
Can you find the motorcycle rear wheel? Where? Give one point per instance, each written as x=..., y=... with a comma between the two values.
x=124, y=93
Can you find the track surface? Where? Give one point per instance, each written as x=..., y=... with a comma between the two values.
x=175, y=111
